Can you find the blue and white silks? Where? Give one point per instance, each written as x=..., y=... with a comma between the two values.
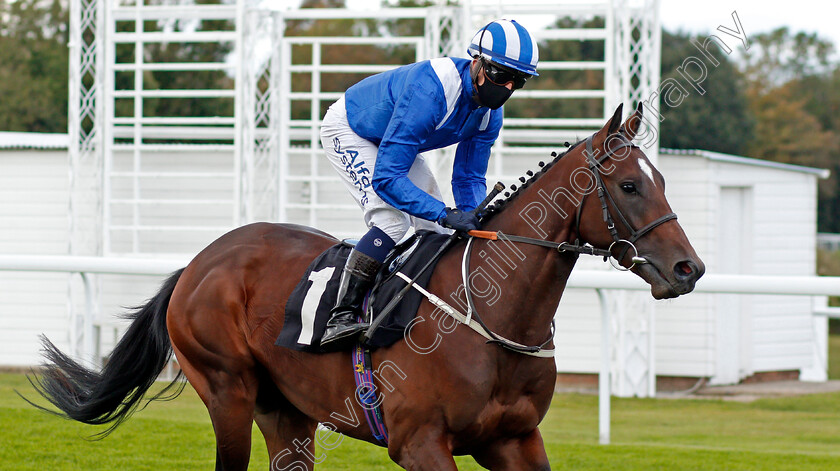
x=416, y=108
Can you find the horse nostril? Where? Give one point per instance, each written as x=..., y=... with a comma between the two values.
x=684, y=269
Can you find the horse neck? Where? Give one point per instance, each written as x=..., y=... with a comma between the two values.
x=545, y=209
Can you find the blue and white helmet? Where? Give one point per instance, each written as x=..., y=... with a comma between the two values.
x=508, y=43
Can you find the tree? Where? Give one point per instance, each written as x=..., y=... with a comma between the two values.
x=33, y=66
x=718, y=120
x=787, y=133
x=821, y=94
x=780, y=56
x=792, y=89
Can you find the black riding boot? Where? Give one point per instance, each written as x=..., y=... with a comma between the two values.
x=357, y=277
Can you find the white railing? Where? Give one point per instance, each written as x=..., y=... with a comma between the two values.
x=592, y=279
x=84, y=267
x=717, y=283
x=97, y=265
x=710, y=283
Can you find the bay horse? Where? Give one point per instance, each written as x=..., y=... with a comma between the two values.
x=443, y=391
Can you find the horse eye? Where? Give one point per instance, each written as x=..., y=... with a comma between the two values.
x=629, y=187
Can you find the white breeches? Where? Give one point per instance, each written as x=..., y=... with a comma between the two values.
x=354, y=158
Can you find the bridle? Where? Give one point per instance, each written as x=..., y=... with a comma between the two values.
x=604, y=196
x=606, y=199
x=474, y=321
x=471, y=317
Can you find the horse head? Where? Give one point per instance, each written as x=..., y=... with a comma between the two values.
x=625, y=210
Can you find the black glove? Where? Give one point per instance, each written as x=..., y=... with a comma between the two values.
x=459, y=220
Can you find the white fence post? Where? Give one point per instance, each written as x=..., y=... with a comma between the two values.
x=604, y=374
x=89, y=347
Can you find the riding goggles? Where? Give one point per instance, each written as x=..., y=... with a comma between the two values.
x=502, y=75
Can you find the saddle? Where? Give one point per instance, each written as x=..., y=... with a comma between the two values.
x=308, y=308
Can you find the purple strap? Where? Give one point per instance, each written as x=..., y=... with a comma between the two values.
x=366, y=391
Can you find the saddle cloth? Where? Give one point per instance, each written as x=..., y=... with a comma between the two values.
x=308, y=308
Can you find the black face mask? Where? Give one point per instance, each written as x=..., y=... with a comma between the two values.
x=491, y=95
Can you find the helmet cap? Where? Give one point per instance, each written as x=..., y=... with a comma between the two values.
x=508, y=43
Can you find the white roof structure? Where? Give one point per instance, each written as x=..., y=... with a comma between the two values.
x=33, y=140
x=737, y=159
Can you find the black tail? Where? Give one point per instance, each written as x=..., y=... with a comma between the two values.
x=111, y=395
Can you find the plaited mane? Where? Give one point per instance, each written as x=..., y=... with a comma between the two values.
x=499, y=205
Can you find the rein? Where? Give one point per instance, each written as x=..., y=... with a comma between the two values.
x=585, y=249
x=473, y=320
x=604, y=196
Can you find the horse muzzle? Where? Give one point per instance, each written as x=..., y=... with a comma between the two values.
x=669, y=280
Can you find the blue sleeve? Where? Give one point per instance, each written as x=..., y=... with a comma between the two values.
x=416, y=113
x=469, y=173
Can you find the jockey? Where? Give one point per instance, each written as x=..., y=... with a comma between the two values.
x=374, y=136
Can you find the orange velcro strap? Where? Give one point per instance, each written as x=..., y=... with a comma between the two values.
x=490, y=235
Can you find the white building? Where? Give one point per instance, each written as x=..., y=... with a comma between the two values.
x=746, y=216
x=34, y=201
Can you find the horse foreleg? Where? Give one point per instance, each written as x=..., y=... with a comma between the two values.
x=516, y=454
x=290, y=439
x=424, y=450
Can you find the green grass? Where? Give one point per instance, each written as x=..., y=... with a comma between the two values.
x=648, y=434
x=834, y=356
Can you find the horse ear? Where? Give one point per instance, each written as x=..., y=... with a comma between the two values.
x=631, y=126
x=610, y=128
x=615, y=121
